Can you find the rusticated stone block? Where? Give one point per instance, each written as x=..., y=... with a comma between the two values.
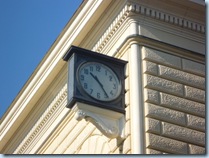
x=182, y=133
x=127, y=98
x=127, y=115
x=152, y=125
x=150, y=68
x=160, y=57
x=165, y=114
x=166, y=144
x=151, y=96
x=182, y=104
x=193, y=149
x=182, y=77
x=127, y=128
x=127, y=84
x=152, y=151
x=194, y=94
x=195, y=122
x=193, y=67
x=127, y=145
x=163, y=85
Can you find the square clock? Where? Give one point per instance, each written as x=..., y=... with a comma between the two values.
x=95, y=79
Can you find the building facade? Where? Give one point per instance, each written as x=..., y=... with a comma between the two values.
x=163, y=43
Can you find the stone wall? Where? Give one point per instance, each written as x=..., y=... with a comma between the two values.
x=174, y=103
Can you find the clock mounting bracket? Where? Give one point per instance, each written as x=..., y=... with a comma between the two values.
x=110, y=123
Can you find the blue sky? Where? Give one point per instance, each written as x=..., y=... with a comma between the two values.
x=27, y=31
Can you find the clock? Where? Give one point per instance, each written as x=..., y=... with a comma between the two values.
x=95, y=79
x=99, y=81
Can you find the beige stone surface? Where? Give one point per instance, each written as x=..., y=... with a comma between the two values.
x=174, y=97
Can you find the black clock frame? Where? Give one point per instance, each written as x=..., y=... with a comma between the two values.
x=76, y=56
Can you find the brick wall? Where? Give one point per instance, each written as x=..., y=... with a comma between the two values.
x=174, y=96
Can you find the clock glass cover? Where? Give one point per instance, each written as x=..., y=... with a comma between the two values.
x=99, y=81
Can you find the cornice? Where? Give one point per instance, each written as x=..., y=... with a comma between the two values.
x=122, y=16
x=132, y=9
x=44, y=120
x=166, y=17
x=158, y=45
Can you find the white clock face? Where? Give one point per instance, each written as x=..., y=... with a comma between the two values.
x=99, y=81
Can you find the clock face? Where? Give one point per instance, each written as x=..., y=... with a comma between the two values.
x=99, y=81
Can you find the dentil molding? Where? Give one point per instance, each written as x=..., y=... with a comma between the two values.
x=166, y=17
x=144, y=11
x=43, y=121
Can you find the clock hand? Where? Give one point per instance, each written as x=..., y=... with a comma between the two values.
x=95, y=77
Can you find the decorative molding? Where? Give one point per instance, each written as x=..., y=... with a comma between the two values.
x=165, y=17
x=112, y=29
x=41, y=123
x=109, y=122
x=148, y=12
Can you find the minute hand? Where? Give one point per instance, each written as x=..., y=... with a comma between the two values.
x=95, y=77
